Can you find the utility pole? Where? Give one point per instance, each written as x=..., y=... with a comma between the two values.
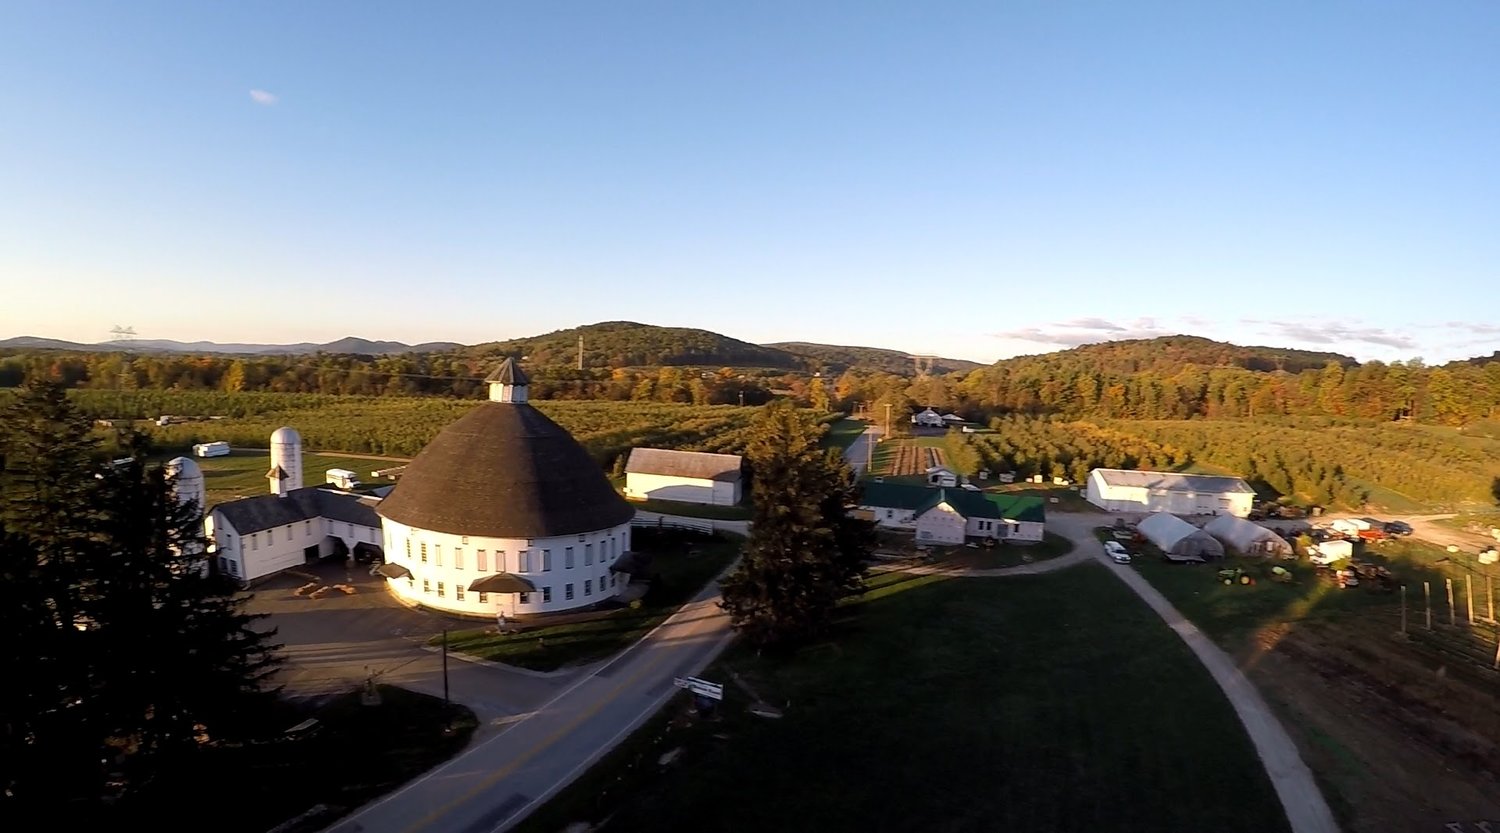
x=887, y=420
x=445, y=667
x=742, y=399
x=580, y=352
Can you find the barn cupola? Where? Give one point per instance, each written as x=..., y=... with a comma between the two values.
x=508, y=383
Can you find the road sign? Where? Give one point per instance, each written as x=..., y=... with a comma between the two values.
x=713, y=691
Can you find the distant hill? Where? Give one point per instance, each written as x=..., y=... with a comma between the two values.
x=348, y=344
x=1169, y=354
x=630, y=344
x=840, y=358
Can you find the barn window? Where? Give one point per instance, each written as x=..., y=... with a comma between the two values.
x=289, y=532
x=426, y=585
x=458, y=592
x=424, y=552
x=458, y=558
x=465, y=539
x=588, y=587
x=546, y=594
x=568, y=558
x=307, y=528
x=588, y=554
x=484, y=598
x=546, y=561
x=437, y=554
x=525, y=598
x=441, y=594
x=408, y=548
x=481, y=560
x=523, y=562
x=567, y=592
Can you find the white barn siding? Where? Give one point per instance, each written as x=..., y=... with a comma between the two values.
x=643, y=486
x=452, y=563
x=1130, y=498
x=941, y=525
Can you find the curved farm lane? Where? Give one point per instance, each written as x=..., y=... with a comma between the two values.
x=1306, y=810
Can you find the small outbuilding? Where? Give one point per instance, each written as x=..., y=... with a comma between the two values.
x=1174, y=536
x=685, y=476
x=1246, y=537
x=941, y=476
x=928, y=419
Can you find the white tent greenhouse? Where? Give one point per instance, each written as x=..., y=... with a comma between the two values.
x=1174, y=536
x=1246, y=537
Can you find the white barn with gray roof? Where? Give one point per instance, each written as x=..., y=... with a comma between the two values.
x=1120, y=490
x=684, y=476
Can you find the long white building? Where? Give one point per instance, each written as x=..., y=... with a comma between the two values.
x=1120, y=490
x=504, y=512
x=684, y=476
x=290, y=526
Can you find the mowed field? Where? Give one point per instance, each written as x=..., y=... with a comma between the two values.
x=243, y=472
x=1055, y=702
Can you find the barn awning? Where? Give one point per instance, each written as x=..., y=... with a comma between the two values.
x=502, y=583
x=629, y=562
x=390, y=570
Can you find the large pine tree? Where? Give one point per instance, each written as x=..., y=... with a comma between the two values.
x=128, y=655
x=805, y=552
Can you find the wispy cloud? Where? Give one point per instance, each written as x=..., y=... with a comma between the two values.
x=1472, y=327
x=1085, y=331
x=263, y=98
x=1330, y=333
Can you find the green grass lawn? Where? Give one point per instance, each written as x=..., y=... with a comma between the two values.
x=1230, y=613
x=741, y=512
x=682, y=564
x=360, y=752
x=843, y=433
x=243, y=472
x=1048, y=703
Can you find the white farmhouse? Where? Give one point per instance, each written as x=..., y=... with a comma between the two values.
x=928, y=419
x=1119, y=490
x=505, y=513
x=950, y=516
x=686, y=476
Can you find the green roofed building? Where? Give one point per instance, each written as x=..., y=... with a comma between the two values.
x=950, y=516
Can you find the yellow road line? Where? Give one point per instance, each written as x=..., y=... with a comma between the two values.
x=535, y=750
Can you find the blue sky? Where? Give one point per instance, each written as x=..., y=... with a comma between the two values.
x=977, y=180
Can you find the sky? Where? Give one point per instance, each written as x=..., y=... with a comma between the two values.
x=976, y=180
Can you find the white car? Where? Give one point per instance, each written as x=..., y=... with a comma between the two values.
x=1116, y=552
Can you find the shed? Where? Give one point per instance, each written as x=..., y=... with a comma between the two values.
x=1246, y=537
x=941, y=476
x=685, y=476
x=1175, y=536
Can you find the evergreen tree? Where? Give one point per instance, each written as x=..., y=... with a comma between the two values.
x=805, y=552
x=124, y=654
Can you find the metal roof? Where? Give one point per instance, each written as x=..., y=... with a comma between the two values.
x=508, y=373
x=698, y=465
x=502, y=583
x=1168, y=481
x=253, y=514
x=968, y=503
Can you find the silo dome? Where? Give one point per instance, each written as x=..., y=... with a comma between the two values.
x=188, y=480
x=286, y=434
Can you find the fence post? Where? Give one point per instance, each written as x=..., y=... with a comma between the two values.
x=1489, y=593
x=1452, y=619
x=1469, y=591
x=1403, y=610
x=1427, y=600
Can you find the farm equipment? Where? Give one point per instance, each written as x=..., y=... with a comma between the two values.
x=1235, y=576
x=1282, y=575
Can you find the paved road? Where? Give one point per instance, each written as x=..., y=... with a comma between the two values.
x=494, y=783
x=1300, y=797
x=858, y=451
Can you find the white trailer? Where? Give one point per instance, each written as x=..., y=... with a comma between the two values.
x=342, y=478
x=218, y=449
x=1331, y=551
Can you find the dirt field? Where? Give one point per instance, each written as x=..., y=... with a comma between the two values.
x=908, y=459
x=1398, y=742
